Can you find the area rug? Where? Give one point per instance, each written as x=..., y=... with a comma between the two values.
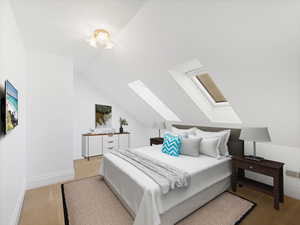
x=89, y=201
x=225, y=209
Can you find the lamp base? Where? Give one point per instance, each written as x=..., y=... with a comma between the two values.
x=254, y=158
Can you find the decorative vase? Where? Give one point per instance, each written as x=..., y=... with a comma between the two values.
x=121, y=129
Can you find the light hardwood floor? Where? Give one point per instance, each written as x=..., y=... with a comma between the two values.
x=43, y=206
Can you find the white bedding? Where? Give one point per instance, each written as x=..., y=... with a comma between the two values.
x=143, y=196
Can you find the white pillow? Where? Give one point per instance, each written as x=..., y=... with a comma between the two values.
x=224, y=135
x=191, y=146
x=184, y=132
x=210, y=146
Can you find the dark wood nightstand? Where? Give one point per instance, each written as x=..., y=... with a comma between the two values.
x=156, y=141
x=270, y=168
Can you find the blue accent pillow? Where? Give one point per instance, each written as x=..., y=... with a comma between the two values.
x=172, y=144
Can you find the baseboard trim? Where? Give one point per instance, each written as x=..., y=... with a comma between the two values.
x=17, y=211
x=53, y=178
x=78, y=158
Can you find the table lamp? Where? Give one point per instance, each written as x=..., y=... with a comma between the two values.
x=255, y=134
x=159, y=126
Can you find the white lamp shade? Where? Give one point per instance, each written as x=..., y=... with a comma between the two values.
x=258, y=134
x=159, y=125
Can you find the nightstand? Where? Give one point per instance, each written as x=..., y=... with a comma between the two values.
x=270, y=168
x=156, y=141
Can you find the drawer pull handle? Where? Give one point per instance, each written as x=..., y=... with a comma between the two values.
x=110, y=147
x=111, y=142
x=250, y=167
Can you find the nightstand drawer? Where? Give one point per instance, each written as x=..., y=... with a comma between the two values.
x=156, y=141
x=253, y=167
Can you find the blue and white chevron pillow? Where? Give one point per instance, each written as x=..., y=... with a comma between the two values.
x=172, y=144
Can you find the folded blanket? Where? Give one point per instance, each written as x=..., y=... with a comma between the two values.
x=167, y=177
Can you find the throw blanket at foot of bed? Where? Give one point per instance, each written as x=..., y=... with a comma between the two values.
x=167, y=177
x=142, y=181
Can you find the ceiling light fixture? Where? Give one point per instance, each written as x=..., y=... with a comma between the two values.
x=101, y=38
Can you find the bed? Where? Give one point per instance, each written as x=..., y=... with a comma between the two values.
x=142, y=197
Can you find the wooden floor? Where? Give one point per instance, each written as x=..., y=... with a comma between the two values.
x=43, y=206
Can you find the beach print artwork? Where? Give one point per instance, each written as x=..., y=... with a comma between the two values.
x=11, y=106
x=103, y=116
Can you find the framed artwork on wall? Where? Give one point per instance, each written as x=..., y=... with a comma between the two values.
x=103, y=116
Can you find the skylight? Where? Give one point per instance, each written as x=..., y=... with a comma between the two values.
x=152, y=100
x=211, y=88
x=198, y=84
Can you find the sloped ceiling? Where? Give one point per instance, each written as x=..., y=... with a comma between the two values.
x=62, y=26
x=250, y=48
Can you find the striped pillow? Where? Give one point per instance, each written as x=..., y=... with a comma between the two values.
x=172, y=144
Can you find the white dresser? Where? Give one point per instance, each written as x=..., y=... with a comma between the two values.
x=99, y=144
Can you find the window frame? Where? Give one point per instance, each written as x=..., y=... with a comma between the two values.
x=164, y=112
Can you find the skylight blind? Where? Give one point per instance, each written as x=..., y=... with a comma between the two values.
x=210, y=86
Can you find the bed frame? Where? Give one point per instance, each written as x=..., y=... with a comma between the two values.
x=235, y=145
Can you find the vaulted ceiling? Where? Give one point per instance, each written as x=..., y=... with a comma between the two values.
x=62, y=26
x=251, y=48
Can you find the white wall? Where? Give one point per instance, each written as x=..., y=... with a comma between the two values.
x=12, y=146
x=50, y=119
x=86, y=96
x=42, y=152
x=256, y=68
x=250, y=48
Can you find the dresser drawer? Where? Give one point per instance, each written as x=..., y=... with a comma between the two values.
x=109, y=143
x=109, y=138
x=108, y=148
x=253, y=167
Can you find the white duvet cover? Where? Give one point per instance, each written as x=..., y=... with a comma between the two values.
x=143, y=196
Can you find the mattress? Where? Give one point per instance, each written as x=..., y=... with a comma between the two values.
x=143, y=196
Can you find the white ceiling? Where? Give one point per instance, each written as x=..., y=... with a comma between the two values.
x=62, y=26
x=251, y=49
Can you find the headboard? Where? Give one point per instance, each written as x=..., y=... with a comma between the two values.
x=235, y=145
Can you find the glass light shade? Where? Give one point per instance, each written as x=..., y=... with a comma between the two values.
x=100, y=38
x=109, y=45
x=93, y=42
